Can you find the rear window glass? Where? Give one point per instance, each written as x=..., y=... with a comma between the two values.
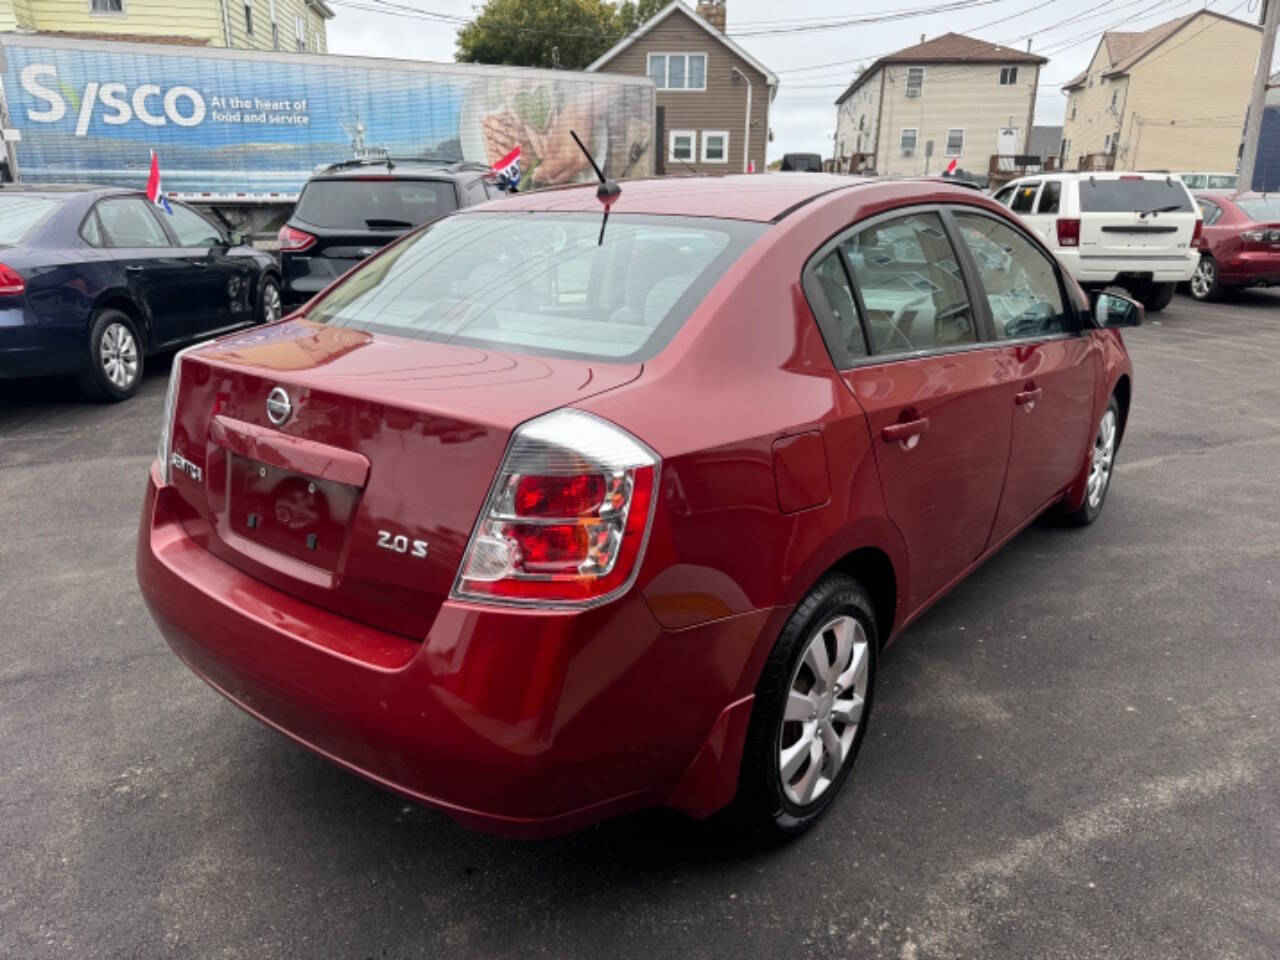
x=542, y=283
x=802, y=162
x=1260, y=208
x=1223, y=181
x=1118, y=196
x=353, y=204
x=20, y=215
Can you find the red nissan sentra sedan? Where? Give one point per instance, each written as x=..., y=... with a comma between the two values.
x=538, y=517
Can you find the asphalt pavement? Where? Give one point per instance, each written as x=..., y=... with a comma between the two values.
x=1076, y=754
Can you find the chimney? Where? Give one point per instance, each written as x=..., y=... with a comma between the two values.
x=922, y=38
x=712, y=11
x=1028, y=44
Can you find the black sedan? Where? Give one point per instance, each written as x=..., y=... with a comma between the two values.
x=94, y=280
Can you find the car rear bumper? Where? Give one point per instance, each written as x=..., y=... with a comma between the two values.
x=1251, y=267
x=26, y=349
x=517, y=722
x=1090, y=268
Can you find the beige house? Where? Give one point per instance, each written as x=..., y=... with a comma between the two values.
x=969, y=98
x=1171, y=98
x=298, y=25
x=713, y=96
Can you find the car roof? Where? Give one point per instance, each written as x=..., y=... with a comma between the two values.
x=408, y=168
x=59, y=190
x=759, y=197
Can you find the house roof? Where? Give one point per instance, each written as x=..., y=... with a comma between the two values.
x=948, y=48
x=677, y=7
x=1125, y=50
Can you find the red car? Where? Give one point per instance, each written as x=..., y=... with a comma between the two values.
x=1240, y=245
x=541, y=516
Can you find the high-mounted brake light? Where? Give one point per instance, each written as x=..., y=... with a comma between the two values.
x=568, y=516
x=1068, y=232
x=11, y=282
x=294, y=240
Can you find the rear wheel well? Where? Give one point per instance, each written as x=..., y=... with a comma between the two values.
x=130, y=310
x=873, y=569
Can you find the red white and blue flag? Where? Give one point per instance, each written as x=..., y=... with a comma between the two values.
x=154, y=193
x=507, y=170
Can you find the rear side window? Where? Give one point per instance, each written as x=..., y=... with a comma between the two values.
x=1122, y=196
x=1050, y=197
x=542, y=282
x=909, y=278
x=1210, y=212
x=20, y=215
x=375, y=203
x=129, y=222
x=1260, y=208
x=1024, y=198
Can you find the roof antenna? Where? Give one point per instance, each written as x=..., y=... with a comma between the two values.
x=607, y=192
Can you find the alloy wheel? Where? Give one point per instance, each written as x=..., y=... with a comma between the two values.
x=825, y=702
x=118, y=353
x=1104, y=451
x=1202, y=280
x=271, y=310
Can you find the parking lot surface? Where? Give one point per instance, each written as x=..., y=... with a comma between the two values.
x=1075, y=754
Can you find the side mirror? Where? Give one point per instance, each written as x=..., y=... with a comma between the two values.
x=237, y=238
x=1116, y=310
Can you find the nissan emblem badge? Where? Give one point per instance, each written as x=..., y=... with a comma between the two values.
x=278, y=406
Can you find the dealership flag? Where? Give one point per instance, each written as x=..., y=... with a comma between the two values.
x=154, y=193
x=951, y=167
x=508, y=168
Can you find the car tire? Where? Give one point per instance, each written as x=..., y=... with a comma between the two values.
x=1106, y=439
x=1204, y=284
x=270, y=304
x=114, y=365
x=822, y=665
x=1157, y=296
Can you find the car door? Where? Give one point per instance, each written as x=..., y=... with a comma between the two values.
x=225, y=277
x=933, y=391
x=1052, y=365
x=155, y=273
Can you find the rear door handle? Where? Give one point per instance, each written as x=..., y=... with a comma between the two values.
x=203, y=265
x=132, y=268
x=1027, y=396
x=904, y=431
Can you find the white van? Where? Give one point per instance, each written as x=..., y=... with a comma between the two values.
x=1137, y=230
x=1211, y=182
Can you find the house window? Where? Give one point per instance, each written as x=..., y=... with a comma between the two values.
x=1114, y=94
x=862, y=122
x=955, y=142
x=681, y=145
x=248, y=17
x=275, y=35
x=106, y=6
x=915, y=81
x=1106, y=143
x=1008, y=76
x=715, y=146
x=908, y=141
x=678, y=71
x=300, y=33
x=1073, y=109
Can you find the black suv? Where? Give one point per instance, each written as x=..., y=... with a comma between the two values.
x=350, y=210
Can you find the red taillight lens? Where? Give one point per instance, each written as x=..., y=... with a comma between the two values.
x=567, y=520
x=1068, y=232
x=1197, y=233
x=294, y=240
x=11, y=282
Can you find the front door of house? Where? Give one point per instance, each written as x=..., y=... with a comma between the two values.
x=1007, y=141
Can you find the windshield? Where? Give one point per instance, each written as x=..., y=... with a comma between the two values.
x=1223, y=181
x=1119, y=196
x=542, y=282
x=1260, y=208
x=374, y=203
x=20, y=214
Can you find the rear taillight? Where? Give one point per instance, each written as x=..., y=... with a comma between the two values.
x=1197, y=233
x=1068, y=232
x=566, y=521
x=164, y=449
x=11, y=282
x=294, y=240
x=1260, y=236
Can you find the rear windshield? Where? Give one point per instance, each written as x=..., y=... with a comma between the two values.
x=374, y=204
x=542, y=283
x=802, y=162
x=19, y=215
x=1222, y=181
x=1118, y=196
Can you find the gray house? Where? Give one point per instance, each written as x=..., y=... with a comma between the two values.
x=713, y=96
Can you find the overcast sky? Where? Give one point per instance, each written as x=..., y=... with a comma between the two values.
x=803, y=115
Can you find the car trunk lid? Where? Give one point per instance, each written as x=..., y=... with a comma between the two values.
x=362, y=498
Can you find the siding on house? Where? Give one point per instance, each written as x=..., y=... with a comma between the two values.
x=286, y=13
x=8, y=19
x=856, y=119
x=969, y=97
x=722, y=106
x=1181, y=106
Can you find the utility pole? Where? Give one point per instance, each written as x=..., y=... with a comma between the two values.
x=1258, y=102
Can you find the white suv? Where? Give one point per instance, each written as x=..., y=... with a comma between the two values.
x=1138, y=230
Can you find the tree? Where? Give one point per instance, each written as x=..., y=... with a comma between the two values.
x=549, y=33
